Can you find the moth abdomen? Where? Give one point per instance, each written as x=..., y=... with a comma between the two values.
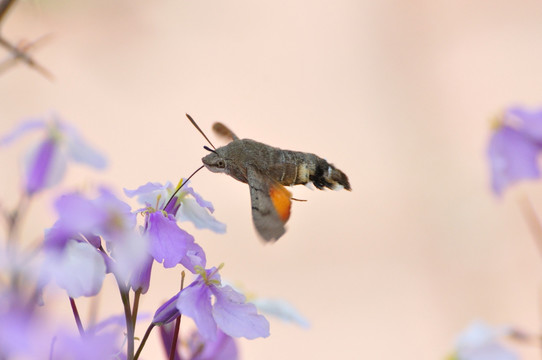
x=325, y=175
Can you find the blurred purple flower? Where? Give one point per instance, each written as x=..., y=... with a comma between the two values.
x=223, y=347
x=104, y=216
x=278, y=308
x=75, y=257
x=514, y=147
x=141, y=277
x=230, y=312
x=482, y=342
x=89, y=347
x=45, y=165
x=22, y=336
x=78, y=268
x=166, y=335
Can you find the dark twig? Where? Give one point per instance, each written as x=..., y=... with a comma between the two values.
x=20, y=53
x=4, y=7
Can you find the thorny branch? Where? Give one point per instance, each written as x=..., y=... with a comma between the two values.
x=4, y=7
x=19, y=51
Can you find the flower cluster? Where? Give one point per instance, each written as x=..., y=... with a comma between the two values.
x=512, y=154
x=97, y=234
x=514, y=147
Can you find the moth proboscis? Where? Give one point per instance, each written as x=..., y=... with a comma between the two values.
x=267, y=170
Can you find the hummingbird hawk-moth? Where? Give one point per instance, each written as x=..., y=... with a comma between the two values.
x=267, y=170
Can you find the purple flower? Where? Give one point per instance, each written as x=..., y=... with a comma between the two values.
x=169, y=244
x=166, y=334
x=482, y=342
x=195, y=347
x=75, y=257
x=141, y=277
x=91, y=346
x=514, y=147
x=187, y=205
x=230, y=312
x=21, y=334
x=223, y=347
x=105, y=216
x=45, y=165
x=78, y=268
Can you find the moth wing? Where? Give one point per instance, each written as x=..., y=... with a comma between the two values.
x=224, y=131
x=271, y=204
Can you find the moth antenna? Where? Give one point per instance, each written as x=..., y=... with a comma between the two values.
x=184, y=182
x=209, y=149
x=202, y=133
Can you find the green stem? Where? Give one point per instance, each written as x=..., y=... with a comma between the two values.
x=144, y=340
x=135, y=307
x=177, y=327
x=125, y=296
x=15, y=217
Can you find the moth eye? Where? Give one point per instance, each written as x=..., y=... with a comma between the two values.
x=220, y=164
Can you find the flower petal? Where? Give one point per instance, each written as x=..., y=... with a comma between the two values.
x=79, y=269
x=169, y=243
x=191, y=210
x=203, y=203
x=512, y=157
x=44, y=166
x=195, y=256
x=223, y=347
x=79, y=150
x=167, y=334
x=167, y=312
x=481, y=342
x=141, y=277
x=78, y=214
x=235, y=317
x=282, y=310
x=148, y=194
x=528, y=122
x=130, y=251
x=21, y=129
x=195, y=302
x=118, y=214
x=92, y=346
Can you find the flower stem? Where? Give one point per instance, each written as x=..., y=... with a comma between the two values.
x=135, y=308
x=125, y=296
x=144, y=340
x=77, y=317
x=52, y=348
x=533, y=221
x=173, y=348
x=15, y=217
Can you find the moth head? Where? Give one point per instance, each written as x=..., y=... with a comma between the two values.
x=214, y=162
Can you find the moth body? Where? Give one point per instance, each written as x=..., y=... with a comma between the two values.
x=267, y=170
x=284, y=166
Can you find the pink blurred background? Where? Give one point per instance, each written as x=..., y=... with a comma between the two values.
x=397, y=94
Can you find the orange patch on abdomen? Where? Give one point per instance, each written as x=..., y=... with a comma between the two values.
x=281, y=201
